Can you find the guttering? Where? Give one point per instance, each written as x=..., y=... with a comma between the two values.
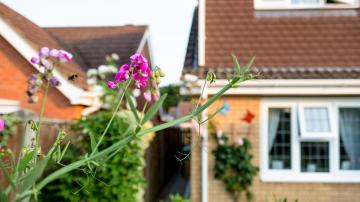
x=74, y=94
x=295, y=87
x=9, y=106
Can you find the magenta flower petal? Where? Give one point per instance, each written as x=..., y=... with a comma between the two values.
x=111, y=84
x=122, y=74
x=2, y=125
x=138, y=59
x=125, y=67
x=35, y=60
x=44, y=52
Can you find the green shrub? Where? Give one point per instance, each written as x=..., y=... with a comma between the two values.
x=178, y=198
x=11, y=123
x=120, y=179
x=233, y=166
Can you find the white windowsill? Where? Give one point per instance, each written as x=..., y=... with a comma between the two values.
x=293, y=177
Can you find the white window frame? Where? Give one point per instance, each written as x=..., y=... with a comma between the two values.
x=287, y=5
x=335, y=174
x=304, y=134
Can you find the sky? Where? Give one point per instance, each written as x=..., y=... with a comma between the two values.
x=169, y=22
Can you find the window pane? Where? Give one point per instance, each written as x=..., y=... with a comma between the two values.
x=311, y=2
x=349, y=119
x=279, y=133
x=317, y=119
x=314, y=157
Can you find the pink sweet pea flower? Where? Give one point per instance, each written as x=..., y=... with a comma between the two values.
x=111, y=84
x=54, y=53
x=122, y=74
x=64, y=56
x=2, y=125
x=147, y=96
x=44, y=52
x=138, y=59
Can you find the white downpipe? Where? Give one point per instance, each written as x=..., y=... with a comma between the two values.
x=204, y=139
x=204, y=150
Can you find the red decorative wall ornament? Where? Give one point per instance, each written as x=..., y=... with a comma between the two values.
x=248, y=118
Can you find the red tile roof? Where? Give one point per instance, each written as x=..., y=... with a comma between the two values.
x=93, y=43
x=38, y=38
x=89, y=45
x=287, y=44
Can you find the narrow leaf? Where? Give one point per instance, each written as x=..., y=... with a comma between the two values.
x=153, y=109
x=236, y=64
x=132, y=106
x=30, y=177
x=92, y=141
x=24, y=161
x=101, y=154
x=246, y=68
x=64, y=151
x=212, y=115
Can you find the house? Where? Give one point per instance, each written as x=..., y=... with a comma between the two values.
x=21, y=39
x=306, y=99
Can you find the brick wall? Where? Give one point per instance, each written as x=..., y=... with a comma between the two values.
x=231, y=124
x=15, y=71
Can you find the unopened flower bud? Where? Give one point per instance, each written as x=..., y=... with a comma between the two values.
x=35, y=60
x=147, y=96
x=211, y=77
x=161, y=73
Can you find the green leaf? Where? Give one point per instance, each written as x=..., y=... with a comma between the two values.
x=30, y=177
x=212, y=115
x=132, y=106
x=24, y=161
x=3, y=196
x=64, y=151
x=101, y=154
x=236, y=64
x=153, y=109
x=246, y=68
x=92, y=141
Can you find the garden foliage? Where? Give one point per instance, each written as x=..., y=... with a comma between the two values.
x=109, y=140
x=120, y=178
x=233, y=166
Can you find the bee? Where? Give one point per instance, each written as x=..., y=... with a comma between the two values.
x=73, y=77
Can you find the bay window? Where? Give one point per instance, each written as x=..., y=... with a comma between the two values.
x=312, y=140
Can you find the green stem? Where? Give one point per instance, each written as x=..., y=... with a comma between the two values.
x=42, y=110
x=112, y=117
